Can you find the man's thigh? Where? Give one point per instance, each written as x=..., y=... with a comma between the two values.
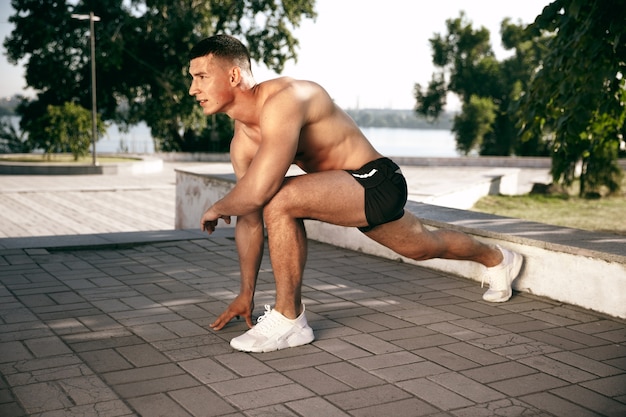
x=330, y=196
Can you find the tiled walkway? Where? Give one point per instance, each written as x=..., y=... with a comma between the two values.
x=122, y=330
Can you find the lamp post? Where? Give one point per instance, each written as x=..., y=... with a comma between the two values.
x=92, y=38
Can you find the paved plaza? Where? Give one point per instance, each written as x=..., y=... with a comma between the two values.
x=109, y=317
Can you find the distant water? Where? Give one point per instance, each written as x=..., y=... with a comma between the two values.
x=388, y=141
x=412, y=142
x=137, y=140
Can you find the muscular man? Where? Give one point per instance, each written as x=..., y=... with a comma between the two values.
x=347, y=182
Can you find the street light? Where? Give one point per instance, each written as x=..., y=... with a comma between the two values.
x=92, y=38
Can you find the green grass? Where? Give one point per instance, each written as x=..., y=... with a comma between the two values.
x=606, y=214
x=64, y=159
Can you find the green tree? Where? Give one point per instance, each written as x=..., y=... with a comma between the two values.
x=67, y=128
x=488, y=89
x=141, y=56
x=12, y=139
x=578, y=96
x=474, y=123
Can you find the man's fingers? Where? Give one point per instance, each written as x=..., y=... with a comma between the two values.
x=208, y=227
x=226, y=317
x=218, y=324
x=222, y=320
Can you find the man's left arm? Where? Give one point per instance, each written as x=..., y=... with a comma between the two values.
x=282, y=119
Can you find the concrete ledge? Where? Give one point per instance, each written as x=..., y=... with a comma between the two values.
x=107, y=240
x=484, y=161
x=143, y=165
x=568, y=265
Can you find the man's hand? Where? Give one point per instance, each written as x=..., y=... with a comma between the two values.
x=240, y=306
x=208, y=223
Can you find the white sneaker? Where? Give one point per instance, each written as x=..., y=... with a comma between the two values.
x=274, y=331
x=501, y=276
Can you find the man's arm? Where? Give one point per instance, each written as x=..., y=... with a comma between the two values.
x=249, y=239
x=281, y=121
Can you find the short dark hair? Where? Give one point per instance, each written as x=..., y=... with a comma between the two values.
x=223, y=46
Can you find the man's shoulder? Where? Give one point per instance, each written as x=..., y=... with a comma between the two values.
x=288, y=85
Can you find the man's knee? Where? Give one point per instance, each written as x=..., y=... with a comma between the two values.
x=278, y=205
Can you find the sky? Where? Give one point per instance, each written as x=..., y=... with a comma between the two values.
x=365, y=53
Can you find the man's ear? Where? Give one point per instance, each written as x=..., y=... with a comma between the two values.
x=235, y=76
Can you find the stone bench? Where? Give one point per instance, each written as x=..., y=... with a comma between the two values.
x=581, y=268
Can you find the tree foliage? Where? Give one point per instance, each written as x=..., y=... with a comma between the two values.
x=488, y=88
x=67, y=128
x=12, y=140
x=141, y=57
x=579, y=94
x=474, y=123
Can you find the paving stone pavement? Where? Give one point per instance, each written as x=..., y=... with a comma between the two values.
x=122, y=330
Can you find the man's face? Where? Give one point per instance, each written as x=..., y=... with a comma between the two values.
x=210, y=83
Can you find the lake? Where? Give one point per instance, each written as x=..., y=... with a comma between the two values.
x=388, y=141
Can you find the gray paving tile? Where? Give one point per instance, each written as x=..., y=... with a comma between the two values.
x=317, y=381
x=200, y=401
x=315, y=407
x=387, y=360
x=142, y=374
x=505, y=407
x=367, y=397
x=41, y=397
x=445, y=358
x=409, y=371
x=585, y=364
x=351, y=375
x=158, y=404
x=557, y=406
x=611, y=386
x=591, y=400
x=342, y=349
x=106, y=360
x=243, y=364
x=207, y=370
x=155, y=386
x=435, y=394
x=528, y=384
x=499, y=372
x=557, y=369
x=467, y=387
x=269, y=396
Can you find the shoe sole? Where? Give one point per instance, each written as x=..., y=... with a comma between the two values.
x=518, y=261
x=309, y=338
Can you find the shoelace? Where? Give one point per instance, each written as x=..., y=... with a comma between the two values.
x=482, y=279
x=267, y=321
x=268, y=310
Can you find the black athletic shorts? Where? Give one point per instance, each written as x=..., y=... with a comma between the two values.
x=385, y=191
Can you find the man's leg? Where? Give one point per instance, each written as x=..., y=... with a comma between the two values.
x=408, y=237
x=331, y=196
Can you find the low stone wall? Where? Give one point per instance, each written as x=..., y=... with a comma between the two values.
x=568, y=265
x=143, y=165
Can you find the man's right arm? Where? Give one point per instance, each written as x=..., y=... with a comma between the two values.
x=249, y=239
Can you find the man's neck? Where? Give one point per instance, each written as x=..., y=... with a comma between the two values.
x=244, y=108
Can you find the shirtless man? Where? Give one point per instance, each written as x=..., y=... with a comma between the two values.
x=347, y=182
